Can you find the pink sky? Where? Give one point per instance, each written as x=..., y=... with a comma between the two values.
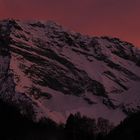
x=119, y=18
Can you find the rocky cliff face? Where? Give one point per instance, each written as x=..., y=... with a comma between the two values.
x=49, y=71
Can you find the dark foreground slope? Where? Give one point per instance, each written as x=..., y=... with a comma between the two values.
x=14, y=126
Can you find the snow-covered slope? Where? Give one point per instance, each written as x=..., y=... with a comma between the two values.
x=54, y=72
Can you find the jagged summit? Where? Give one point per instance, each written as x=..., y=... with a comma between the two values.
x=50, y=71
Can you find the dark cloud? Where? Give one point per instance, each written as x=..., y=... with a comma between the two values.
x=95, y=17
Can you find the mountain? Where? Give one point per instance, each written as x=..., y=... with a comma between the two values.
x=47, y=71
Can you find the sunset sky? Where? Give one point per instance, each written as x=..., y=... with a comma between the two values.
x=119, y=18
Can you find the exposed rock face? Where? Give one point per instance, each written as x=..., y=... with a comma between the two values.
x=49, y=71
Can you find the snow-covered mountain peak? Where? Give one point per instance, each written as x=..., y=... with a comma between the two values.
x=55, y=72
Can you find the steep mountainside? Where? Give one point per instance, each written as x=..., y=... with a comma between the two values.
x=49, y=71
